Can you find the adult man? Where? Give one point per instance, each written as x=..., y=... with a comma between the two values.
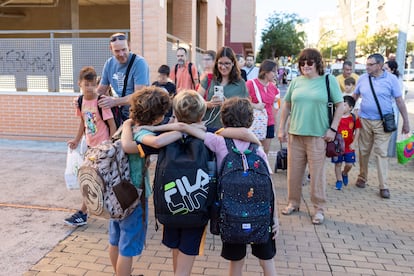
x=114, y=72
x=346, y=73
x=241, y=62
x=252, y=72
x=184, y=74
x=372, y=135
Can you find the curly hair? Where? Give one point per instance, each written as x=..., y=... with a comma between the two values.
x=189, y=107
x=148, y=104
x=312, y=54
x=237, y=112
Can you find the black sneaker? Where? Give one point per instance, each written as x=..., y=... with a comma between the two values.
x=77, y=219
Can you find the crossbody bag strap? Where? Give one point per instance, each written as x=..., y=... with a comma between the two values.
x=375, y=97
x=127, y=73
x=330, y=103
x=257, y=92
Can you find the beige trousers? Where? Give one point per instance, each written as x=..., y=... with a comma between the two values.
x=304, y=150
x=373, y=138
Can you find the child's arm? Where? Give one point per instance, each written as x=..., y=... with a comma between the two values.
x=73, y=143
x=112, y=126
x=127, y=140
x=195, y=130
x=355, y=141
x=239, y=133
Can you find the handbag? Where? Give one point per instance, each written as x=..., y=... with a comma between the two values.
x=388, y=120
x=337, y=146
x=405, y=150
x=259, y=125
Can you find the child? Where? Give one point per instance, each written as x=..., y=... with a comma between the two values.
x=349, y=128
x=349, y=86
x=238, y=114
x=96, y=129
x=169, y=87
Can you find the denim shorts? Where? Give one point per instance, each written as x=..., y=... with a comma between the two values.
x=129, y=234
x=348, y=157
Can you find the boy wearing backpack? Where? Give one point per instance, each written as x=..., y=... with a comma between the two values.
x=97, y=124
x=237, y=114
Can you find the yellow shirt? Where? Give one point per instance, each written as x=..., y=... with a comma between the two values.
x=341, y=80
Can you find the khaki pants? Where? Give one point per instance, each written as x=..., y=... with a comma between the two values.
x=373, y=138
x=304, y=150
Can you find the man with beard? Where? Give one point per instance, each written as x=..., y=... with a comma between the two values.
x=184, y=75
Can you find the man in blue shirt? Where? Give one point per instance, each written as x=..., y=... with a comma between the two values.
x=114, y=72
x=372, y=135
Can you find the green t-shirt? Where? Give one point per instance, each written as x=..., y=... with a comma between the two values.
x=237, y=89
x=308, y=99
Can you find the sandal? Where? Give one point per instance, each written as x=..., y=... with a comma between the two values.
x=318, y=218
x=288, y=210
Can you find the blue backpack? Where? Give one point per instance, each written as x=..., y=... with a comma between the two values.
x=246, y=197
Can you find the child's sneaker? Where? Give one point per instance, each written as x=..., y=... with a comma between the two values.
x=345, y=179
x=338, y=185
x=77, y=219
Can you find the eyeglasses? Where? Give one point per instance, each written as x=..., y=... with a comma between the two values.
x=372, y=64
x=227, y=64
x=308, y=62
x=117, y=37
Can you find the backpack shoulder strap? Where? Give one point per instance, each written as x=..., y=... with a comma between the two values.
x=100, y=113
x=80, y=101
x=127, y=73
x=190, y=70
x=175, y=74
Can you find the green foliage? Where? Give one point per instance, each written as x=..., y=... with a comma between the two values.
x=339, y=50
x=281, y=37
x=384, y=42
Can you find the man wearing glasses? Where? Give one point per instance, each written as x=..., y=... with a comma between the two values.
x=372, y=135
x=114, y=72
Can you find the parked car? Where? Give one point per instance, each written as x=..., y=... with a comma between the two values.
x=408, y=75
x=290, y=73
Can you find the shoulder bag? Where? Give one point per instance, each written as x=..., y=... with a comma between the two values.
x=259, y=126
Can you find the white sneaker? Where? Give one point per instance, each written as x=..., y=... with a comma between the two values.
x=318, y=218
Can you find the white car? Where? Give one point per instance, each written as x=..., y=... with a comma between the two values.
x=408, y=75
x=291, y=73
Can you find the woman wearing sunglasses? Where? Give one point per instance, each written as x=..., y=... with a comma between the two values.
x=309, y=130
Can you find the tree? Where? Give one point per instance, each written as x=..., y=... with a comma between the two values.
x=384, y=42
x=281, y=37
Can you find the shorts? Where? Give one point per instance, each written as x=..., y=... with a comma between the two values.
x=236, y=252
x=187, y=240
x=270, y=132
x=348, y=157
x=129, y=234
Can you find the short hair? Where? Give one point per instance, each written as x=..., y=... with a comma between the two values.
x=182, y=48
x=250, y=55
x=211, y=53
x=349, y=100
x=88, y=73
x=164, y=69
x=189, y=107
x=349, y=81
x=237, y=112
x=235, y=74
x=378, y=58
x=347, y=63
x=267, y=66
x=148, y=104
x=312, y=54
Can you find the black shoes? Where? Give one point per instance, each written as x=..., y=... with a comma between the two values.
x=385, y=193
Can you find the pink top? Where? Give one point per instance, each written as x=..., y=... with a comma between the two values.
x=268, y=94
x=96, y=129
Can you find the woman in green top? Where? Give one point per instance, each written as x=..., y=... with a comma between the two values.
x=309, y=130
x=227, y=79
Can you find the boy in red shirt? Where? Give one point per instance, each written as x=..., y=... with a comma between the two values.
x=349, y=128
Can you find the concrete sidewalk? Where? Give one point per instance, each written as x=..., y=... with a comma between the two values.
x=363, y=234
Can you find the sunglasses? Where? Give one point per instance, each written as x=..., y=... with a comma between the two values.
x=308, y=62
x=117, y=37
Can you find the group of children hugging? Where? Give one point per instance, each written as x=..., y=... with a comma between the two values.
x=142, y=134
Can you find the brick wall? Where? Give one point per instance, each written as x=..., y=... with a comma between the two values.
x=37, y=116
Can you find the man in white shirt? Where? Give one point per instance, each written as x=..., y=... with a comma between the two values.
x=252, y=72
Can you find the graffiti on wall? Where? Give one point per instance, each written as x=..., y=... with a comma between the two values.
x=12, y=61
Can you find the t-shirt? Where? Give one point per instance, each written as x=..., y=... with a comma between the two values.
x=346, y=127
x=267, y=93
x=217, y=144
x=387, y=88
x=183, y=78
x=341, y=80
x=235, y=89
x=309, y=99
x=114, y=74
x=252, y=72
x=96, y=130
x=168, y=87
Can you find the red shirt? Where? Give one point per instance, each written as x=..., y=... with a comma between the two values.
x=346, y=128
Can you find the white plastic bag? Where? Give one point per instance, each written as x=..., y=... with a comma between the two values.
x=74, y=160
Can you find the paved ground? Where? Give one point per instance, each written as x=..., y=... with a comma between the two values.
x=363, y=234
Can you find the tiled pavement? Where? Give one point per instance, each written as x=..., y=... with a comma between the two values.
x=362, y=235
